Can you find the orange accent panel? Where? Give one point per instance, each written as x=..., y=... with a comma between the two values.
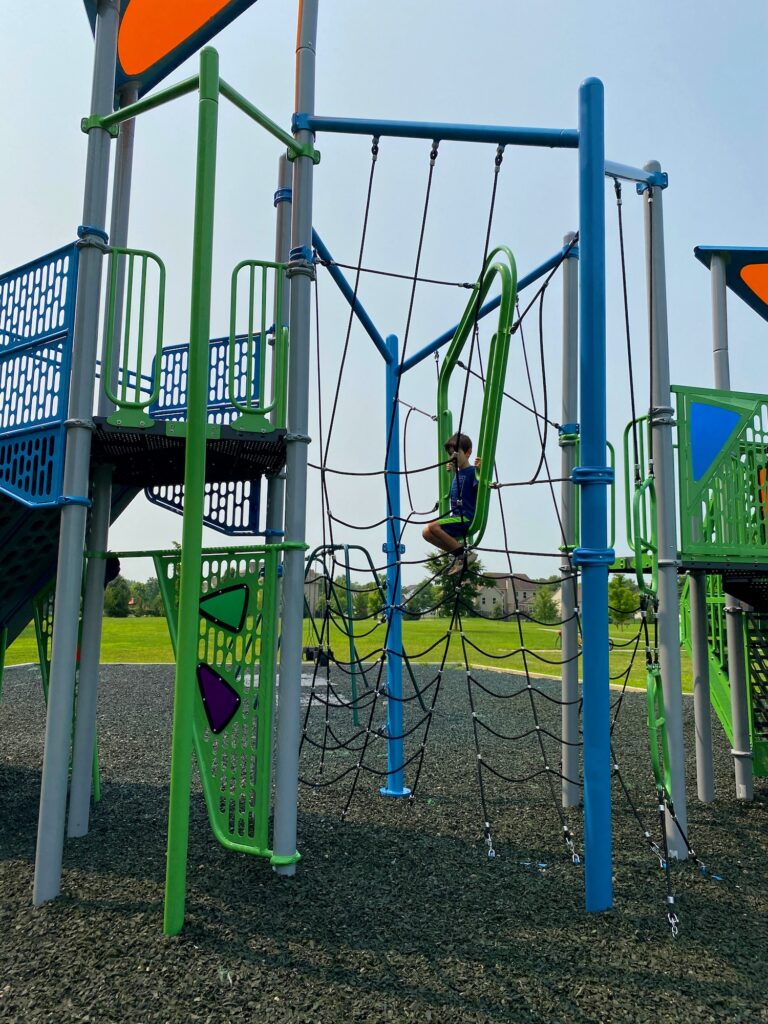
x=755, y=276
x=151, y=29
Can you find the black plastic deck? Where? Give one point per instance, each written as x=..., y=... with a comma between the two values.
x=145, y=458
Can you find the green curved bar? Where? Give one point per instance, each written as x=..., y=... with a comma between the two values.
x=640, y=543
x=500, y=264
x=132, y=411
x=253, y=410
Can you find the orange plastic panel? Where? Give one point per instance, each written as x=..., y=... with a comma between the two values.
x=755, y=276
x=150, y=29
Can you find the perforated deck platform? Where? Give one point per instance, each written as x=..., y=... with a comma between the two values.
x=155, y=456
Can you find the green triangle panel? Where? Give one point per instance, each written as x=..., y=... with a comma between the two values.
x=710, y=428
x=226, y=607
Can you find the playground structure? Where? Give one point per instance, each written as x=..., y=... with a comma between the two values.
x=208, y=420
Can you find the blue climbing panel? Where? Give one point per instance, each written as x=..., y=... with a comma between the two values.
x=37, y=308
x=233, y=507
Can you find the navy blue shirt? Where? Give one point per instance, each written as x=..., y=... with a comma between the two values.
x=464, y=493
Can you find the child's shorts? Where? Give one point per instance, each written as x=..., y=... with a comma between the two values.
x=455, y=526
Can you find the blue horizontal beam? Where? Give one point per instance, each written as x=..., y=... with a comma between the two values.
x=554, y=138
x=489, y=307
x=348, y=292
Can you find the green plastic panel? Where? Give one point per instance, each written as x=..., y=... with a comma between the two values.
x=723, y=484
x=235, y=684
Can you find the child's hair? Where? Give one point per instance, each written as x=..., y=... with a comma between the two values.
x=456, y=441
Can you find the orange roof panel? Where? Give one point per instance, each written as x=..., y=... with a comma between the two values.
x=150, y=30
x=755, y=277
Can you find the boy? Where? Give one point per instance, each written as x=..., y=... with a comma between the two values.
x=450, y=533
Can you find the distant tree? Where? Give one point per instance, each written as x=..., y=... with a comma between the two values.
x=544, y=608
x=459, y=591
x=498, y=611
x=623, y=599
x=117, y=598
x=146, y=598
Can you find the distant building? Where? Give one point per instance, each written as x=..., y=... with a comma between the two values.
x=507, y=592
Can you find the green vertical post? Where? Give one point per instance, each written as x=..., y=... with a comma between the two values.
x=194, y=493
x=351, y=632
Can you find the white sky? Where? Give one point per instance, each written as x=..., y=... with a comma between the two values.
x=685, y=84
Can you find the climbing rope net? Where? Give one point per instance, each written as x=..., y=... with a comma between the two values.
x=345, y=735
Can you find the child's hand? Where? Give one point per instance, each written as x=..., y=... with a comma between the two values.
x=478, y=463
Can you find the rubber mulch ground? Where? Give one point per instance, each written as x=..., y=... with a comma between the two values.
x=396, y=914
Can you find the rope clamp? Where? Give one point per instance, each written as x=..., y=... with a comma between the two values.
x=299, y=438
x=662, y=416
x=390, y=549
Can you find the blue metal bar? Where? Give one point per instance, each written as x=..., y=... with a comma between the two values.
x=348, y=292
x=553, y=138
x=489, y=307
x=395, y=757
x=593, y=475
x=627, y=173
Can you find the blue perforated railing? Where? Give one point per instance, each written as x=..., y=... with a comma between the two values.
x=37, y=305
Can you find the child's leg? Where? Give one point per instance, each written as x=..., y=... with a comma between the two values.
x=435, y=534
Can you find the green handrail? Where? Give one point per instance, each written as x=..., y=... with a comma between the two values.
x=629, y=481
x=639, y=542
x=252, y=406
x=132, y=411
x=506, y=270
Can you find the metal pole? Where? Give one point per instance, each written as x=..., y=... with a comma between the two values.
x=194, y=495
x=569, y=585
x=720, y=322
x=734, y=609
x=661, y=415
x=302, y=271
x=697, y=597
x=98, y=533
x=737, y=673
x=594, y=476
x=58, y=732
x=393, y=549
x=276, y=483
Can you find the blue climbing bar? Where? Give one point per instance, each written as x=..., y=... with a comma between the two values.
x=594, y=476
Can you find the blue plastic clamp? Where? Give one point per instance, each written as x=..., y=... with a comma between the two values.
x=283, y=195
x=274, y=533
x=593, y=556
x=88, y=229
x=569, y=428
x=70, y=499
x=388, y=549
x=301, y=252
x=659, y=179
x=593, y=475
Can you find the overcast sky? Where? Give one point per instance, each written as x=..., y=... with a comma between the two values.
x=685, y=84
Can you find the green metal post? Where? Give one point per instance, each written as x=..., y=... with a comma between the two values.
x=194, y=494
x=351, y=637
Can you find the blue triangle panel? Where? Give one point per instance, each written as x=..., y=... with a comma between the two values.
x=710, y=428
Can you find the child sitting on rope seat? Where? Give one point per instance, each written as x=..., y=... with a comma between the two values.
x=449, y=533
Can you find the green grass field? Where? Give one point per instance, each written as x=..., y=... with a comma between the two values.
x=146, y=640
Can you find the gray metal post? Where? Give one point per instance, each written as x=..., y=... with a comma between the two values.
x=302, y=272
x=734, y=609
x=664, y=471
x=276, y=484
x=705, y=778
x=53, y=794
x=720, y=323
x=98, y=533
x=737, y=673
x=571, y=792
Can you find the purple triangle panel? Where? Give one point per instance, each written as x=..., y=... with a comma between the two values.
x=220, y=700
